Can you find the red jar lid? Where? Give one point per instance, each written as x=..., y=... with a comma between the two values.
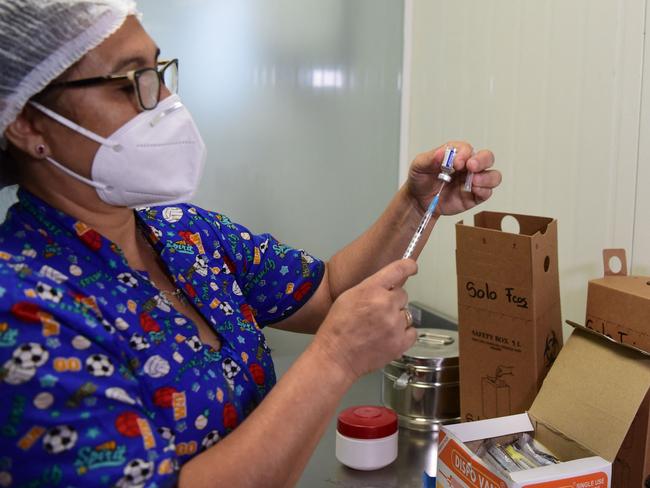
x=367, y=422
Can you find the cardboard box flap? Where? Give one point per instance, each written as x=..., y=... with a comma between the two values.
x=528, y=225
x=610, y=339
x=593, y=392
x=486, y=429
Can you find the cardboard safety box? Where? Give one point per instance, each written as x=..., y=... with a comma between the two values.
x=509, y=318
x=582, y=415
x=618, y=307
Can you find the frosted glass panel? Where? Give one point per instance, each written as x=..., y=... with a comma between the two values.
x=298, y=101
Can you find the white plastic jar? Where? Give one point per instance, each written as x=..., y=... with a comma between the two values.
x=366, y=437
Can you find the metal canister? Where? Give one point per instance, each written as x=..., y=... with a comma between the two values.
x=422, y=386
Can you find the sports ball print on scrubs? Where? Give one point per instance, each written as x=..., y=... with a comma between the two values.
x=103, y=383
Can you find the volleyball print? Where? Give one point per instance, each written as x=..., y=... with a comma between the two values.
x=15, y=374
x=156, y=366
x=172, y=214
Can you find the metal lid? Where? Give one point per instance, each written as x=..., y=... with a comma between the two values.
x=433, y=348
x=423, y=424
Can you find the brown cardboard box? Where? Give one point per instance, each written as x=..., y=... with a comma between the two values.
x=618, y=307
x=592, y=395
x=632, y=465
x=508, y=312
x=583, y=414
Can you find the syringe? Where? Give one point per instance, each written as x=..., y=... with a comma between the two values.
x=446, y=171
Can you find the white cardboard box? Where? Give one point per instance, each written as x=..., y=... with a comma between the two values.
x=582, y=414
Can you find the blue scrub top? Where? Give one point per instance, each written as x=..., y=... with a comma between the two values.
x=102, y=382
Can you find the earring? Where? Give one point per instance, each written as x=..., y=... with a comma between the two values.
x=40, y=149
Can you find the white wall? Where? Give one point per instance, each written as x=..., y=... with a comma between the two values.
x=554, y=88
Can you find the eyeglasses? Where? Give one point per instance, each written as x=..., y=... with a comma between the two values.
x=147, y=82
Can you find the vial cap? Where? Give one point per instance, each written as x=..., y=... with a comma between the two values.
x=367, y=422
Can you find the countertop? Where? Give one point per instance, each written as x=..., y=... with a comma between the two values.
x=417, y=451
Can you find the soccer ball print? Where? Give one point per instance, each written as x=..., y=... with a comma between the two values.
x=136, y=473
x=99, y=365
x=48, y=293
x=210, y=439
x=30, y=355
x=60, y=439
x=138, y=342
x=127, y=279
x=195, y=343
x=230, y=369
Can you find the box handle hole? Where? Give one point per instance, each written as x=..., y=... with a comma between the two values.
x=615, y=264
x=510, y=224
x=547, y=263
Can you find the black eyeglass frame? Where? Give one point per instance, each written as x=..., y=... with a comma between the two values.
x=133, y=76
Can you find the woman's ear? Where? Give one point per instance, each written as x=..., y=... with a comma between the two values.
x=23, y=135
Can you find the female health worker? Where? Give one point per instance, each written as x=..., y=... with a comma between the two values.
x=131, y=344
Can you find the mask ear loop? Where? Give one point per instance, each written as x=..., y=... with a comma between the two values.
x=68, y=171
x=85, y=132
x=77, y=128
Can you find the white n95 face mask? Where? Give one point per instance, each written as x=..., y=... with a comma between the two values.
x=156, y=158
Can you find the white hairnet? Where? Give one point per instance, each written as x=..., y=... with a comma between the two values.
x=40, y=39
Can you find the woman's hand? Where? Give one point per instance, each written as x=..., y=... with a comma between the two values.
x=423, y=182
x=367, y=325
